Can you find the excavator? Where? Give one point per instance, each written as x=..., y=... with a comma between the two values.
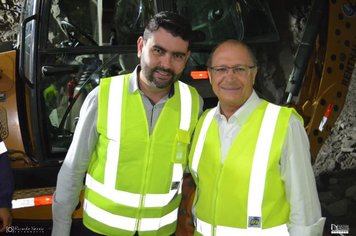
x=64, y=48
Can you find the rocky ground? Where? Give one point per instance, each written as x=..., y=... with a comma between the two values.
x=339, y=150
x=335, y=169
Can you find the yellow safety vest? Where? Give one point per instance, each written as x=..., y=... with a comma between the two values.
x=134, y=178
x=245, y=195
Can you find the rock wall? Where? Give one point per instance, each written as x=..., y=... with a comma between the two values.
x=9, y=18
x=339, y=150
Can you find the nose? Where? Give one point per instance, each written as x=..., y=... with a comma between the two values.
x=231, y=71
x=231, y=77
x=166, y=61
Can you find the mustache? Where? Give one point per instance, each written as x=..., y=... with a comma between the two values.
x=169, y=71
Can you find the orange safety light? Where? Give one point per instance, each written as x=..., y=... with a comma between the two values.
x=43, y=200
x=199, y=74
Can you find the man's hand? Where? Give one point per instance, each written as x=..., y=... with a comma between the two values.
x=5, y=218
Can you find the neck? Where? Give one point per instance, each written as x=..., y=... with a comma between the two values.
x=227, y=110
x=152, y=92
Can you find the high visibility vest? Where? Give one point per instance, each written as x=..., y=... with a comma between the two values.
x=244, y=195
x=134, y=177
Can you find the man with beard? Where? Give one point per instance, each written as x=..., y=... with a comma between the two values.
x=131, y=142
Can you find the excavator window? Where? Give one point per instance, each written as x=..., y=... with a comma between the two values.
x=89, y=40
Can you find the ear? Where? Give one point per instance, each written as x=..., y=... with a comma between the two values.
x=209, y=76
x=140, y=44
x=254, y=76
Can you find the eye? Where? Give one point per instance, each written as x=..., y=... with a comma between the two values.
x=157, y=51
x=221, y=69
x=178, y=56
x=240, y=69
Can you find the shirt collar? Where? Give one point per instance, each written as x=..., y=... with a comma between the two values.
x=133, y=83
x=243, y=112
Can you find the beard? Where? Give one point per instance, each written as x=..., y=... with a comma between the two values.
x=149, y=74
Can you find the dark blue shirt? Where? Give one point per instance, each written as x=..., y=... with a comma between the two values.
x=6, y=178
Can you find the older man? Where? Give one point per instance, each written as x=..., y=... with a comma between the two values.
x=250, y=158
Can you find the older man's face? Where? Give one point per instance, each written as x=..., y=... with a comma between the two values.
x=232, y=74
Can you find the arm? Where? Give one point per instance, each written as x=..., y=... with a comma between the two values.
x=6, y=188
x=71, y=175
x=185, y=222
x=5, y=218
x=305, y=216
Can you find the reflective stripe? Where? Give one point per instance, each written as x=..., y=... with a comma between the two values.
x=148, y=224
x=133, y=199
x=24, y=202
x=114, y=130
x=206, y=229
x=31, y=201
x=161, y=200
x=118, y=196
x=127, y=223
x=2, y=147
x=177, y=172
x=260, y=162
x=201, y=139
x=186, y=106
x=108, y=218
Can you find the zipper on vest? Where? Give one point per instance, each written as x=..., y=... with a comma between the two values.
x=144, y=187
x=137, y=224
x=138, y=218
x=150, y=128
x=141, y=203
x=217, y=186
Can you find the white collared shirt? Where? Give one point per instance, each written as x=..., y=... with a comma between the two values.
x=71, y=175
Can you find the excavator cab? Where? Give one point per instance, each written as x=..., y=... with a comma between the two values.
x=65, y=47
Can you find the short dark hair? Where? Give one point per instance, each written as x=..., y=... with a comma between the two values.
x=175, y=24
